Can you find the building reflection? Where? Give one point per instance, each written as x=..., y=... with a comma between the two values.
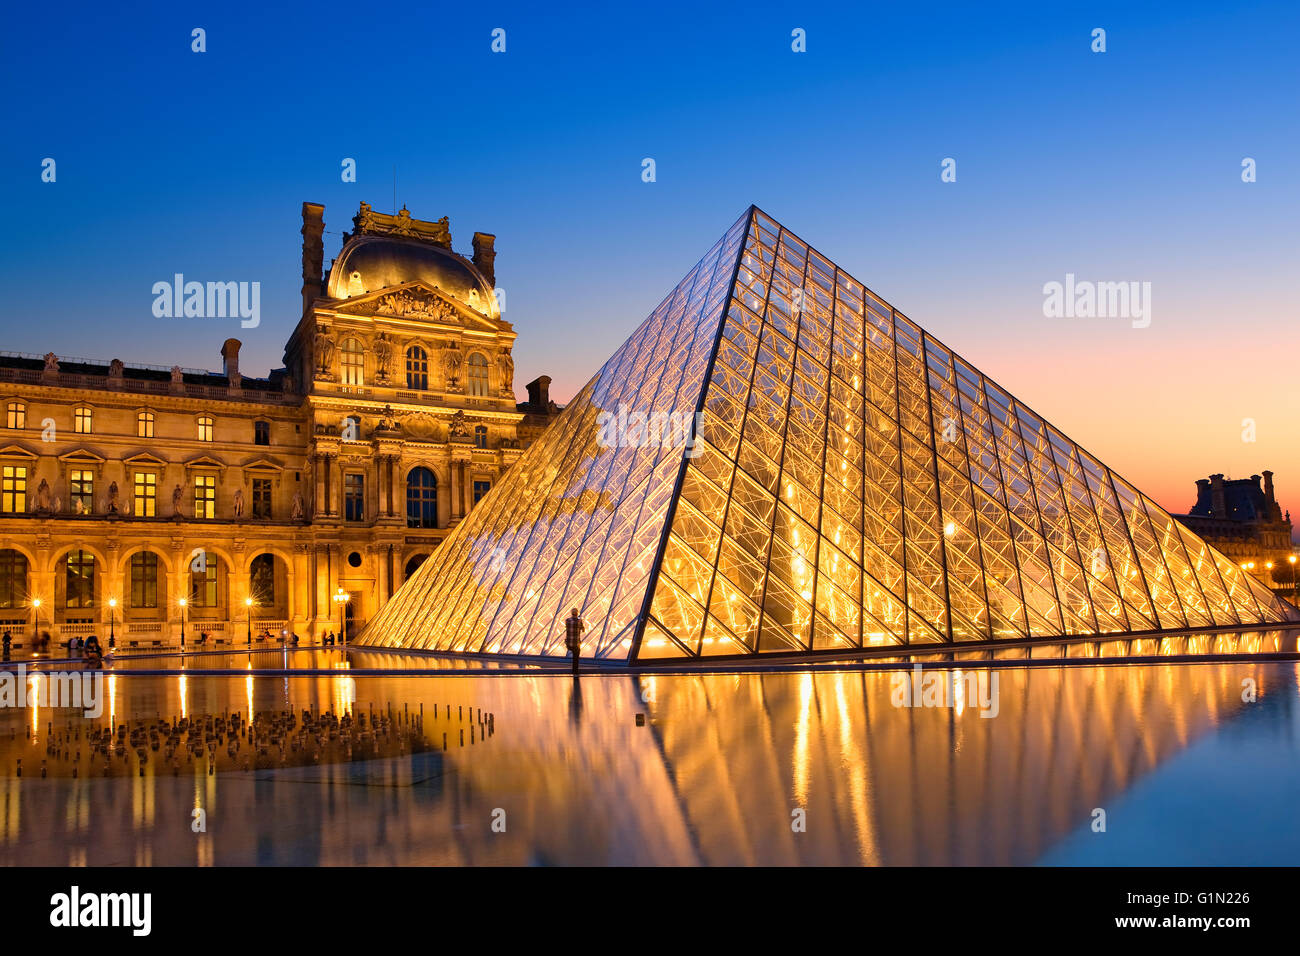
x=714, y=775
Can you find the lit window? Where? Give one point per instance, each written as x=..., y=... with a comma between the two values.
x=144, y=425
x=417, y=368
x=352, y=362
x=205, y=428
x=17, y=415
x=205, y=496
x=354, y=496
x=81, y=490
x=13, y=489
x=146, y=494
x=79, y=580
x=144, y=579
x=82, y=419
x=478, y=375
x=421, y=499
x=13, y=579
x=203, y=580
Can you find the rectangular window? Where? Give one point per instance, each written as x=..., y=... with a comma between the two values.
x=79, y=580
x=144, y=425
x=82, y=419
x=81, y=490
x=13, y=489
x=261, y=497
x=481, y=488
x=205, y=429
x=205, y=496
x=261, y=433
x=354, y=496
x=203, y=581
x=17, y=415
x=146, y=494
x=144, y=579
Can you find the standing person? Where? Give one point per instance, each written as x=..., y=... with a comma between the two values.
x=573, y=628
x=8, y=643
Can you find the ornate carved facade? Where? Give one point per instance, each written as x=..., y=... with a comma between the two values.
x=127, y=488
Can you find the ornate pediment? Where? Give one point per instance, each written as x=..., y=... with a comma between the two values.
x=418, y=301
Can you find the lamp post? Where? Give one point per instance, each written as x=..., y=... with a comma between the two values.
x=1295, y=594
x=248, y=603
x=183, y=602
x=36, y=621
x=112, y=607
x=341, y=598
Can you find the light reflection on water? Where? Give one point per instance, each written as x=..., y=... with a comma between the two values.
x=713, y=776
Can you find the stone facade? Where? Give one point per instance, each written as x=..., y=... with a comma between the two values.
x=127, y=488
x=1244, y=521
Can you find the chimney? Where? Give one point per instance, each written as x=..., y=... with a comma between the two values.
x=313, y=252
x=1218, y=501
x=539, y=392
x=1268, y=488
x=485, y=256
x=230, y=361
x=1202, y=505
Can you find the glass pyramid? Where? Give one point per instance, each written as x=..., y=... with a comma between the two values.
x=851, y=484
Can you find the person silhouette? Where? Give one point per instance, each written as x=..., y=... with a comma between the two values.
x=573, y=628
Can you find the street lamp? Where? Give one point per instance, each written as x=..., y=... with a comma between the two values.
x=248, y=603
x=183, y=602
x=112, y=606
x=36, y=621
x=341, y=598
x=1294, y=592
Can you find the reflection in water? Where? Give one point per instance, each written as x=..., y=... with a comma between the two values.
x=714, y=775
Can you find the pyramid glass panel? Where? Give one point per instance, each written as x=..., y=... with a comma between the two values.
x=778, y=462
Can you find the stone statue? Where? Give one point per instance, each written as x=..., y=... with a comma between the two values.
x=324, y=350
x=239, y=502
x=178, y=495
x=383, y=354
x=112, y=498
x=506, y=365
x=297, y=506
x=43, y=497
x=458, y=427
x=387, y=420
x=79, y=507
x=178, y=376
x=51, y=362
x=116, y=368
x=451, y=365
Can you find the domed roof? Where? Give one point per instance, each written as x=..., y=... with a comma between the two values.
x=371, y=263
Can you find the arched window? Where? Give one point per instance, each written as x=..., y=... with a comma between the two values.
x=478, y=375
x=17, y=417
x=13, y=579
x=82, y=419
x=352, y=362
x=203, y=580
x=421, y=499
x=144, y=579
x=79, y=578
x=144, y=422
x=205, y=428
x=480, y=436
x=261, y=580
x=417, y=368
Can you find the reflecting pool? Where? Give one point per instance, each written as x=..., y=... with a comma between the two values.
x=323, y=763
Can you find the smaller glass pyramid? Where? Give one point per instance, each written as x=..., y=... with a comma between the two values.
x=779, y=462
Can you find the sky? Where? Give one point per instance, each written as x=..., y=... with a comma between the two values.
x=1122, y=165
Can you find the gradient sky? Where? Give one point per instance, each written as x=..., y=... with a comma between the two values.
x=1116, y=166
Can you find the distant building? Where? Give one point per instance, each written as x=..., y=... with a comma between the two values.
x=1243, y=520
x=137, y=497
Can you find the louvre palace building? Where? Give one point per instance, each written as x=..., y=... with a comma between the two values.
x=152, y=503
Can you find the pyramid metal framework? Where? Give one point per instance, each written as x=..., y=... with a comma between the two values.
x=852, y=484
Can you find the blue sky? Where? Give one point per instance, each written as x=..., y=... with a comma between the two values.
x=1123, y=165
